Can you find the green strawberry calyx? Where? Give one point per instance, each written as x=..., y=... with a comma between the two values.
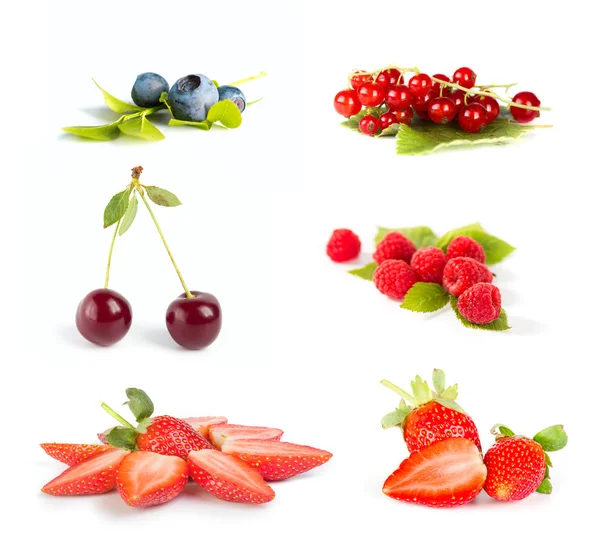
x=421, y=395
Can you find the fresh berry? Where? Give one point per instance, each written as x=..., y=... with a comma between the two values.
x=369, y=125
x=72, y=454
x=195, y=322
x=398, y=97
x=463, y=246
x=491, y=106
x=423, y=114
x=371, y=94
x=343, y=245
x=419, y=84
x=465, y=77
x=148, y=88
x=461, y=273
x=438, y=87
x=524, y=115
x=389, y=77
x=428, y=264
x=480, y=304
x=233, y=94
x=192, y=96
x=386, y=120
x=394, y=278
x=447, y=474
x=276, y=460
x=92, y=476
x=442, y=110
x=458, y=98
x=219, y=434
x=103, y=317
x=421, y=102
x=358, y=78
x=404, y=116
x=394, y=246
x=202, y=425
x=228, y=477
x=146, y=479
x=472, y=118
x=346, y=103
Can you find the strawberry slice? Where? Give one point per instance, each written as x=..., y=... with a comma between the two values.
x=446, y=474
x=71, y=454
x=218, y=434
x=145, y=479
x=276, y=460
x=202, y=425
x=94, y=475
x=229, y=478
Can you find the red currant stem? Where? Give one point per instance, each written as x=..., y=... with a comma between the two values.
x=162, y=237
x=493, y=86
x=110, y=252
x=399, y=391
x=116, y=416
x=246, y=79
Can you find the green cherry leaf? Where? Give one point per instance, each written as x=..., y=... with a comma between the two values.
x=500, y=324
x=107, y=132
x=142, y=128
x=129, y=215
x=425, y=297
x=365, y=272
x=226, y=113
x=439, y=381
x=552, y=438
x=139, y=403
x=162, y=197
x=116, y=208
x=122, y=437
x=420, y=236
x=205, y=125
x=545, y=487
x=117, y=105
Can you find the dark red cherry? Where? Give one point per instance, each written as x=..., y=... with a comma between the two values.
x=194, y=323
x=103, y=317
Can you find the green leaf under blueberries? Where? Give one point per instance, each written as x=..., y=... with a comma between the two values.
x=545, y=487
x=129, y=215
x=162, y=197
x=552, y=438
x=205, y=125
x=425, y=297
x=500, y=324
x=365, y=272
x=439, y=381
x=226, y=113
x=420, y=236
x=116, y=208
x=122, y=437
x=139, y=403
x=107, y=132
x=117, y=105
x=142, y=128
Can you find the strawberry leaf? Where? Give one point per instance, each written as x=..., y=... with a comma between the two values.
x=139, y=403
x=439, y=381
x=420, y=236
x=552, y=438
x=396, y=417
x=450, y=393
x=500, y=324
x=122, y=437
x=449, y=404
x=421, y=390
x=116, y=208
x=162, y=197
x=545, y=487
x=365, y=272
x=425, y=297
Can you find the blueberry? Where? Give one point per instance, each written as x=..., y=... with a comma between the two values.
x=192, y=96
x=148, y=88
x=233, y=94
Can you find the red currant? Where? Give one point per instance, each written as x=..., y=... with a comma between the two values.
x=419, y=84
x=437, y=87
x=386, y=120
x=523, y=115
x=358, y=78
x=369, y=125
x=465, y=77
x=422, y=102
x=423, y=114
x=458, y=97
x=389, y=77
x=491, y=106
x=404, y=116
x=371, y=94
x=441, y=110
x=472, y=118
x=346, y=103
x=398, y=97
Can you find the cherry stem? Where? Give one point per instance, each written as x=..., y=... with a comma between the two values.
x=110, y=252
x=399, y=391
x=246, y=79
x=116, y=416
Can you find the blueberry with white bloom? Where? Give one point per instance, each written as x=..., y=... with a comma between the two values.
x=233, y=94
x=147, y=89
x=192, y=96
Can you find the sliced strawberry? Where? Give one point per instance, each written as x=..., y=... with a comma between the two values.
x=145, y=479
x=202, y=425
x=95, y=475
x=229, y=478
x=71, y=454
x=276, y=460
x=218, y=434
x=446, y=474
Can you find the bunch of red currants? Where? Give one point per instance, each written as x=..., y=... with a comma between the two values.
x=388, y=100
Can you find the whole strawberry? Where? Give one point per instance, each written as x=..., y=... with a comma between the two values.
x=433, y=416
x=463, y=246
x=394, y=246
x=394, y=278
x=461, y=273
x=480, y=304
x=428, y=264
x=343, y=245
x=518, y=466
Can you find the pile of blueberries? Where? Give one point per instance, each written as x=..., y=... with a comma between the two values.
x=190, y=98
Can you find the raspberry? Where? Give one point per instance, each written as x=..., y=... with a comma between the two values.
x=461, y=273
x=394, y=278
x=394, y=246
x=428, y=264
x=343, y=245
x=463, y=246
x=480, y=304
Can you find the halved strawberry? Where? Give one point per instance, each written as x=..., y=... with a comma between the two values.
x=228, y=477
x=95, y=475
x=276, y=460
x=218, y=434
x=145, y=479
x=71, y=454
x=202, y=425
x=446, y=474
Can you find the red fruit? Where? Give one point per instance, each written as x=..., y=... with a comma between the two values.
x=394, y=278
x=358, y=78
x=472, y=118
x=343, y=245
x=437, y=87
x=346, y=103
x=447, y=474
x=458, y=98
x=219, y=434
x=146, y=479
x=461, y=273
x=276, y=460
x=369, y=125
x=389, y=77
x=398, y=97
x=463, y=246
x=491, y=106
x=92, y=476
x=386, y=120
x=465, y=77
x=371, y=94
x=523, y=115
x=228, y=477
x=103, y=317
x=394, y=246
x=423, y=114
x=480, y=304
x=71, y=454
x=428, y=264
x=171, y=436
x=404, y=116
x=421, y=102
x=195, y=322
x=419, y=84
x=202, y=425
x=442, y=110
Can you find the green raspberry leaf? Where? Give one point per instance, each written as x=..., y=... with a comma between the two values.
x=162, y=197
x=139, y=403
x=129, y=215
x=122, y=437
x=116, y=207
x=500, y=324
x=439, y=381
x=117, y=105
x=365, y=272
x=420, y=236
x=142, y=128
x=466, y=230
x=225, y=112
x=107, y=132
x=552, y=438
x=425, y=297
x=545, y=487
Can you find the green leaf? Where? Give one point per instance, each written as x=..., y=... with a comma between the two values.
x=129, y=215
x=116, y=105
x=449, y=404
x=548, y=461
x=139, y=403
x=141, y=127
x=451, y=392
x=500, y=430
x=205, y=125
x=142, y=427
x=421, y=390
x=116, y=207
x=390, y=130
x=439, y=381
x=466, y=230
x=107, y=132
x=122, y=437
x=225, y=112
x=545, y=487
x=420, y=236
x=425, y=297
x=397, y=416
x=500, y=324
x=365, y=272
x=162, y=197
x=552, y=438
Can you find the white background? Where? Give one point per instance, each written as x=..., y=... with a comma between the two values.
x=304, y=344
